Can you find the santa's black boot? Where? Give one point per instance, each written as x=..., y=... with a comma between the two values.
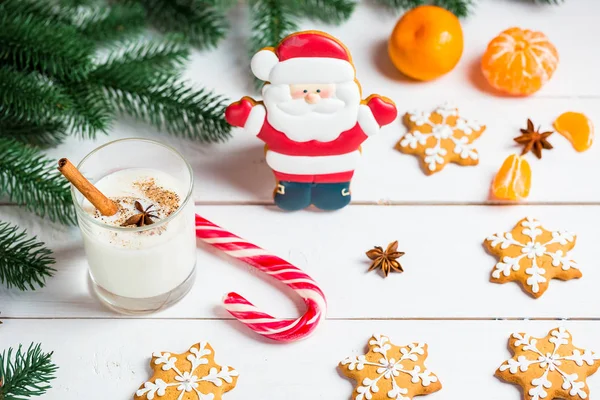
x=331, y=196
x=292, y=196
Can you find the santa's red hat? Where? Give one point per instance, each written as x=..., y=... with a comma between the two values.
x=304, y=57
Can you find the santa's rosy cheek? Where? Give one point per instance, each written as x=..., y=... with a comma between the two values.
x=325, y=93
x=298, y=94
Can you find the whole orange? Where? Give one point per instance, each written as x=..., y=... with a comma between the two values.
x=426, y=43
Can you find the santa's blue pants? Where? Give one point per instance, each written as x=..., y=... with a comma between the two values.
x=292, y=196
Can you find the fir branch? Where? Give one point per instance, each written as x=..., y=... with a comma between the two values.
x=34, y=43
x=199, y=22
x=36, y=133
x=329, y=11
x=142, y=64
x=555, y=2
x=109, y=23
x=401, y=4
x=175, y=107
x=272, y=20
x=26, y=374
x=32, y=181
x=44, y=9
x=30, y=97
x=92, y=113
x=460, y=8
x=24, y=262
x=221, y=4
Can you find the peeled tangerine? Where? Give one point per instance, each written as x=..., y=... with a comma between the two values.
x=577, y=128
x=513, y=180
x=519, y=61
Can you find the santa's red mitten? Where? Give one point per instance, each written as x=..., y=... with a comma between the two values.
x=237, y=113
x=383, y=109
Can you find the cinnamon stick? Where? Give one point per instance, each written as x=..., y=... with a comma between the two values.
x=105, y=205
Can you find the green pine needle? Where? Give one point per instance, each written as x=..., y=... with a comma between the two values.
x=24, y=262
x=399, y=5
x=199, y=22
x=25, y=373
x=30, y=97
x=142, y=64
x=44, y=9
x=109, y=23
x=36, y=133
x=92, y=112
x=30, y=42
x=32, y=181
x=141, y=81
x=175, y=107
x=329, y=11
x=272, y=20
x=460, y=8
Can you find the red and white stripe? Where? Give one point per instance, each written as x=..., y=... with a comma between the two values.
x=284, y=330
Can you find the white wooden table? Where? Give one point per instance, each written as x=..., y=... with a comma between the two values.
x=443, y=297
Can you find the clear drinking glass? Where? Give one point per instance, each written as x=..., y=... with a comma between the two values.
x=142, y=269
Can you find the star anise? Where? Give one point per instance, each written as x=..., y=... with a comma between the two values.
x=386, y=260
x=141, y=219
x=534, y=140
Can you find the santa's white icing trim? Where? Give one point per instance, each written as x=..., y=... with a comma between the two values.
x=304, y=58
x=367, y=121
x=262, y=63
x=255, y=120
x=309, y=165
x=306, y=70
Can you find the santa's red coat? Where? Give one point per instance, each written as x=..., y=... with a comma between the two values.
x=312, y=161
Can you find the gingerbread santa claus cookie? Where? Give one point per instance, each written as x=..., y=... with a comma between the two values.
x=312, y=118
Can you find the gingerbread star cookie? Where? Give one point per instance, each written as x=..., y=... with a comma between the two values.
x=440, y=137
x=193, y=375
x=550, y=367
x=388, y=371
x=532, y=256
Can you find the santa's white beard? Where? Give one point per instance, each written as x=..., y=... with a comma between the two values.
x=302, y=122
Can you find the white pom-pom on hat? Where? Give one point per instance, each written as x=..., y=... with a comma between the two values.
x=263, y=63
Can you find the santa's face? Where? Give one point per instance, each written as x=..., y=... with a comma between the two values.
x=305, y=112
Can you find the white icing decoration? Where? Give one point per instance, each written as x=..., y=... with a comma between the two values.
x=367, y=121
x=255, y=120
x=447, y=110
x=262, y=64
x=419, y=117
x=550, y=362
x=304, y=70
x=441, y=132
x=186, y=381
x=389, y=368
x=310, y=165
x=324, y=121
x=532, y=249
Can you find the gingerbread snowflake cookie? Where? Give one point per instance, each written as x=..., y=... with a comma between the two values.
x=532, y=256
x=193, y=375
x=440, y=137
x=388, y=371
x=550, y=367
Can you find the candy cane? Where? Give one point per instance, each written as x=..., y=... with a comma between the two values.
x=283, y=330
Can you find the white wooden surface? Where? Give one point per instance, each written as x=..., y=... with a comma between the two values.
x=443, y=297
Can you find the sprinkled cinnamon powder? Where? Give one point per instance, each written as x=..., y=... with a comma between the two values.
x=164, y=199
x=165, y=203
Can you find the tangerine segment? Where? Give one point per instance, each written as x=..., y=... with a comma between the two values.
x=426, y=43
x=519, y=61
x=513, y=180
x=577, y=128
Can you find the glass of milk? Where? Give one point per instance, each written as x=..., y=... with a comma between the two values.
x=139, y=268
